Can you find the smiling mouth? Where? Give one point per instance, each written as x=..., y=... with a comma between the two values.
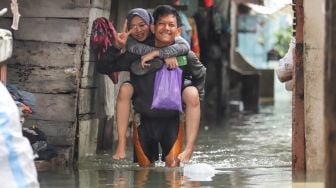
x=165, y=34
x=139, y=36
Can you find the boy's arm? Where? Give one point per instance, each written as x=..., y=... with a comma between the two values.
x=198, y=73
x=138, y=48
x=180, y=47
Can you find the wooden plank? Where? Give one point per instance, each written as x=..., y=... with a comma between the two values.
x=42, y=80
x=330, y=94
x=51, y=107
x=82, y=3
x=5, y=23
x=69, y=31
x=98, y=3
x=102, y=4
x=86, y=101
x=105, y=134
x=54, y=9
x=88, y=132
x=64, y=157
x=46, y=54
x=88, y=54
x=298, y=126
x=60, y=133
x=88, y=75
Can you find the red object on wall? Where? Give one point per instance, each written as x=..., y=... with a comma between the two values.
x=175, y=2
x=208, y=3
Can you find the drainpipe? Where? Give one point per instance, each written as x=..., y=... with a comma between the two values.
x=298, y=124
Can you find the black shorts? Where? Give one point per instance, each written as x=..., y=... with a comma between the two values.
x=157, y=131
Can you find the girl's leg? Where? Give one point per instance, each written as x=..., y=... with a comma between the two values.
x=123, y=112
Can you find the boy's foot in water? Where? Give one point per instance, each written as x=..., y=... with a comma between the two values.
x=185, y=156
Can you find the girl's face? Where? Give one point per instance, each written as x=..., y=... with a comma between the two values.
x=140, y=29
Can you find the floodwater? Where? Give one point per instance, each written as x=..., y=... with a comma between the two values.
x=247, y=150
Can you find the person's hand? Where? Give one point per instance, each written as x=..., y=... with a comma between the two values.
x=121, y=38
x=147, y=57
x=171, y=62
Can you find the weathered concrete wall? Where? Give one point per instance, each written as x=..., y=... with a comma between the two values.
x=314, y=36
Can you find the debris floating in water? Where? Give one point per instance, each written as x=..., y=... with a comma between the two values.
x=199, y=172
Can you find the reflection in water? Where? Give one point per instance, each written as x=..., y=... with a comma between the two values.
x=161, y=177
x=249, y=150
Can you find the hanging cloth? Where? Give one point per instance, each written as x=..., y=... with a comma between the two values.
x=102, y=37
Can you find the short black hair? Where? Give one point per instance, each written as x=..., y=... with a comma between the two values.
x=163, y=10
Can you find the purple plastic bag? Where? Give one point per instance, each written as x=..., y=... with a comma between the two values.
x=167, y=89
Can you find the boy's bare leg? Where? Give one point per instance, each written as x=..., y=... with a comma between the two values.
x=190, y=97
x=123, y=114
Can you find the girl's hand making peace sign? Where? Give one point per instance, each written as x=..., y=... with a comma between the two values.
x=121, y=38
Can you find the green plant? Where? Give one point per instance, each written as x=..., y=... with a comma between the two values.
x=283, y=38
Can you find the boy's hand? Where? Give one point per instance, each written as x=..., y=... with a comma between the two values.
x=147, y=57
x=121, y=38
x=171, y=62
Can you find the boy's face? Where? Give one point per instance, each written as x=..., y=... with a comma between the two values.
x=166, y=30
